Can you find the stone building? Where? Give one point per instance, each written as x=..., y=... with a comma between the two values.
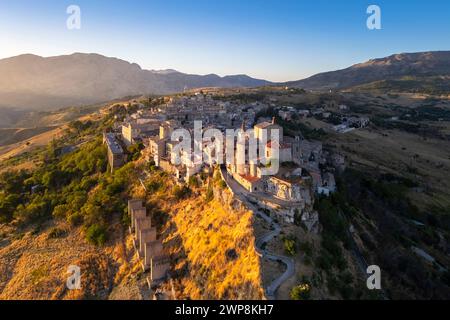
x=263, y=130
x=328, y=184
x=284, y=149
x=116, y=155
x=140, y=128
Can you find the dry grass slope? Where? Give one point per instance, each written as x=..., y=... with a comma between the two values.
x=36, y=268
x=220, y=261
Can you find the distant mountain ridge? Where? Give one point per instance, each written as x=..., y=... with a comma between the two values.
x=394, y=67
x=33, y=82
x=30, y=81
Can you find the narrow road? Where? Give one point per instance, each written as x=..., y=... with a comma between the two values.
x=261, y=242
x=289, y=262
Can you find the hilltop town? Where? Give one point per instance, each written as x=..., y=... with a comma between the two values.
x=305, y=170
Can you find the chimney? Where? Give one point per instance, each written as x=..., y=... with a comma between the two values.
x=273, y=120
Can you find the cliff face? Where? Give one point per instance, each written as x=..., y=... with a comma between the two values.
x=215, y=244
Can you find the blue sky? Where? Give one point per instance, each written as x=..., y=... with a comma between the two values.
x=272, y=39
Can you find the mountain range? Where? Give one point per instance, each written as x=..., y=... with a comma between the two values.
x=397, y=67
x=34, y=82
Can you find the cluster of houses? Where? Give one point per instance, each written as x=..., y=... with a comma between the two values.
x=153, y=126
x=298, y=178
x=348, y=123
x=302, y=171
x=222, y=114
x=300, y=175
x=287, y=113
x=148, y=247
x=323, y=111
x=351, y=123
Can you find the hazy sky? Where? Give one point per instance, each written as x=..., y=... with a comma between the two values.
x=272, y=39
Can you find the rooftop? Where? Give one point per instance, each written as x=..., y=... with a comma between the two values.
x=290, y=174
x=263, y=125
x=113, y=144
x=250, y=178
x=282, y=145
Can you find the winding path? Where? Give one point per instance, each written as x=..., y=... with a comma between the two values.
x=289, y=262
x=260, y=243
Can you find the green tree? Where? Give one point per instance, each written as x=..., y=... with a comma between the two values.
x=8, y=205
x=290, y=246
x=301, y=292
x=193, y=182
x=96, y=234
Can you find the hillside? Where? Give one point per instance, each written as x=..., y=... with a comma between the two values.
x=35, y=266
x=438, y=85
x=209, y=237
x=394, y=67
x=199, y=254
x=33, y=82
x=9, y=136
x=77, y=217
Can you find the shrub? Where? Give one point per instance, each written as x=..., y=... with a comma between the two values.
x=209, y=194
x=203, y=176
x=193, y=182
x=152, y=166
x=61, y=211
x=56, y=233
x=114, y=188
x=222, y=184
x=301, y=292
x=324, y=261
x=87, y=183
x=341, y=284
x=153, y=186
x=330, y=219
x=307, y=248
x=96, y=234
x=126, y=219
x=217, y=176
x=135, y=151
x=75, y=219
x=93, y=213
x=7, y=206
x=38, y=210
x=181, y=192
x=290, y=246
